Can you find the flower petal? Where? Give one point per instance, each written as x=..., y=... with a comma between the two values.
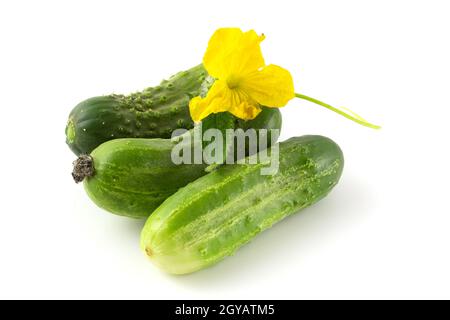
x=233, y=52
x=220, y=99
x=246, y=110
x=200, y=107
x=272, y=86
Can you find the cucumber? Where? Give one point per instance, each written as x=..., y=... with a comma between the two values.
x=213, y=216
x=133, y=176
x=152, y=113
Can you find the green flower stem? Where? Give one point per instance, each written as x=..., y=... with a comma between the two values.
x=350, y=115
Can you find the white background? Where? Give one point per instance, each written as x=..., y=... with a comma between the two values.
x=384, y=232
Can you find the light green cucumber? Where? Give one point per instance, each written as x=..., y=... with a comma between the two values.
x=216, y=214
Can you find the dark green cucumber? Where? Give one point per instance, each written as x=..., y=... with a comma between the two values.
x=132, y=177
x=152, y=113
x=213, y=216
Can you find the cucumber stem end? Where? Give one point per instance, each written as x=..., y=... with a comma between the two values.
x=83, y=167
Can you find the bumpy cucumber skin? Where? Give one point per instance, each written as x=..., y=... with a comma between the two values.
x=212, y=217
x=133, y=176
x=152, y=113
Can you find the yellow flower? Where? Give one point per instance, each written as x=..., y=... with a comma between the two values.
x=243, y=81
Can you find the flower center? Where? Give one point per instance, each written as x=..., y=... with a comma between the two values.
x=232, y=82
